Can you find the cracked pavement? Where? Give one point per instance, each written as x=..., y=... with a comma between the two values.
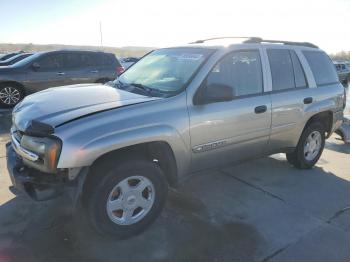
x=262, y=210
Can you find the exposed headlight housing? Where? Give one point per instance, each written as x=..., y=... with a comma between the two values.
x=47, y=148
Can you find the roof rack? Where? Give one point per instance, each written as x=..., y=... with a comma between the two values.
x=259, y=40
x=225, y=37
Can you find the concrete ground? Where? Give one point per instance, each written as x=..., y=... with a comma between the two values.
x=263, y=210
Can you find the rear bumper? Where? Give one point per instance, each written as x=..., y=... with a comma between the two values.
x=33, y=183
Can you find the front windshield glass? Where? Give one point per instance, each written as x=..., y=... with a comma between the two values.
x=27, y=60
x=165, y=70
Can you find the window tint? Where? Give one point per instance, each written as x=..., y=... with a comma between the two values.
x=51, y=62
x=281, y=69
x=321, y=67
x=72, y=60
x=239, y=70
x=87, y=59
x=107, y=60
x=299, y=75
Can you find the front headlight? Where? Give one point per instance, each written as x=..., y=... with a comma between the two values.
x=47, y=148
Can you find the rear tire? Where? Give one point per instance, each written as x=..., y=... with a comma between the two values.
x=309, y=148
x=10, y=95
x=113, y=203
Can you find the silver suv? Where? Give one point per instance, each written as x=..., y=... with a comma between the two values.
x=117, y=148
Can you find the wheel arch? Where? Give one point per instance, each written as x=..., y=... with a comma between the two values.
x=159, y=152
x=325, y=118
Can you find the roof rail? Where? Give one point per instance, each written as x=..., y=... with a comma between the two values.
x=259, y=40
x=224, y=37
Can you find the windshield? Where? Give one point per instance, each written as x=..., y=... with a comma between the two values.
x=165, y=71
x=27, y=60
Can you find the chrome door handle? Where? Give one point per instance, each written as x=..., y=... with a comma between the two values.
x=94, y=71
x=61, y=73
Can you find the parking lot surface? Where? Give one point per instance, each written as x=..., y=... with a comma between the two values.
x=263, y=210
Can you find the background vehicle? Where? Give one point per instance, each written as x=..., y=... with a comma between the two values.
x=176, y=111
x=343, y=71
x=129, y=61
x=14, y=59
x=56, y=68
x=7, y=56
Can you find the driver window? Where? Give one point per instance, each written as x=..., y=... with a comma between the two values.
x=51, y=62
x=241, y=71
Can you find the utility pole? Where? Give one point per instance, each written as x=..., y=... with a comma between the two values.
x=101, y=33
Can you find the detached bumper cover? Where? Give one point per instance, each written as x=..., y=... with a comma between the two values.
x=344, y=130
x=35, y=184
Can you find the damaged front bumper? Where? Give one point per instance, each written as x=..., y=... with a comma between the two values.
x=37, y=185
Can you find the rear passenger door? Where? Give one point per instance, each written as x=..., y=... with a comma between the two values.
x=76, y=72
x=230, y=131
x=289, y=95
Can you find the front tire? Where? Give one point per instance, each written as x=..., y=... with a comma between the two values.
x=309, y=148
x=126, y=198
x=10, y=95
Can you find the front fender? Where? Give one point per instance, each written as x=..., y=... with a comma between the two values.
x=84, y=155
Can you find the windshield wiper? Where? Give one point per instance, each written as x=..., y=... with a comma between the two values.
x=145, y=89
x=141, y=86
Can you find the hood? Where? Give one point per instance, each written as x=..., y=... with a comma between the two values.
x=55, y=106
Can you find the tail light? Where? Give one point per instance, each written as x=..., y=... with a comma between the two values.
x=120, y=70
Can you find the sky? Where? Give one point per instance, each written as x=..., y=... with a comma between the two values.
x=159, y=23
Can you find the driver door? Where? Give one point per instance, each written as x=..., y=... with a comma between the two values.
x=231, y=131
x=48, y=73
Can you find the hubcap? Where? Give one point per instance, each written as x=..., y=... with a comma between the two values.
x=312, y=145
x=130, y=200
x=9, y=95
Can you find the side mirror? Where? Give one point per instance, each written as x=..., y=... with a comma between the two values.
x=214, y=93
x=36, y=66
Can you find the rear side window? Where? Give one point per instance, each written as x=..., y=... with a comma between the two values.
x=281, y=69
x=104, y=60
x=321, y=67
x=87, y=59
x=72, y=60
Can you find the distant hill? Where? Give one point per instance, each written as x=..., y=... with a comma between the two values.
x=119, y=51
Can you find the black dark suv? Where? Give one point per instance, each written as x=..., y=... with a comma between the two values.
x=55, y=68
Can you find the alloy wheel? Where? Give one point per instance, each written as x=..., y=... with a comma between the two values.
x=9, y=95
x=130, y=200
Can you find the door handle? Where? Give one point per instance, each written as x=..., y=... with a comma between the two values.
x=94, y=71
x=260, y=109
x=61, y=73
x=308, y=100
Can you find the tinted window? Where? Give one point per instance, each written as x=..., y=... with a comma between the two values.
x=321, y=67
x=51, y=62
x=87, y=59
x=72, y=60
x=299, y=76
x=107, y=60
x=281, y=69
x=239, y=70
